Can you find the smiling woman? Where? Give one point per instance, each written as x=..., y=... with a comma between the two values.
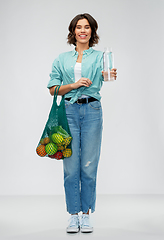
x=79, y=74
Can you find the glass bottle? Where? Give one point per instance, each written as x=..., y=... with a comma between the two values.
x=108, y=63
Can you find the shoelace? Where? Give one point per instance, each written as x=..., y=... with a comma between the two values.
x=73, y=221
x=85, y=220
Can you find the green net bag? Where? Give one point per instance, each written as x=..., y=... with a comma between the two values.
x=56, y=138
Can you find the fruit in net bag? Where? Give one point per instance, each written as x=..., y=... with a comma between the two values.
x=60, y=147
x=46, y=140
x=41, y=150
x=58, y=155
x=51, y=148
x=62, y=131
x=57, y=138
x=67, y=141
x=67, y=152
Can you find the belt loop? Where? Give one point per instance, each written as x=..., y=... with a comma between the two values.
x=87, y=100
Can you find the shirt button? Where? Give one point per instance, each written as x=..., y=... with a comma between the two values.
x=72, y=78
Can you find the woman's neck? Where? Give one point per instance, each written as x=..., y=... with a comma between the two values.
x=81, y=47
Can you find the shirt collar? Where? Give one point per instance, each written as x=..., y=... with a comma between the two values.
x=87, y=52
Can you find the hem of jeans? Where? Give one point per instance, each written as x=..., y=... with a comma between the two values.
x=90, y=208
x=80, y=210
x=74, y=212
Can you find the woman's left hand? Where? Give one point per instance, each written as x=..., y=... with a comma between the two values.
x=113, y=73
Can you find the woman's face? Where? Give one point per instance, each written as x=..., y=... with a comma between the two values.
x=83, y=31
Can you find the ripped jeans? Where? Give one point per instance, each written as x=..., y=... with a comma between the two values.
x=80, y=170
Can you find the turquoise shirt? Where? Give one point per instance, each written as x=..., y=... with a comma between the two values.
x=91, y=67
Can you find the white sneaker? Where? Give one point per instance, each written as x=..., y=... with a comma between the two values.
x=74, y=225
x=85, y=224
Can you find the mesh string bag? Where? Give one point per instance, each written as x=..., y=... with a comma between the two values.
x=55, y=141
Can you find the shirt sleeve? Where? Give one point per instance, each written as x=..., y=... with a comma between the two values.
x=55, y=75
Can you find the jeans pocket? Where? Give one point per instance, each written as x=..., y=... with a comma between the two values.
x=95, y=105
x=67, y=103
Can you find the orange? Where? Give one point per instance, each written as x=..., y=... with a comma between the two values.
x=41, y=150
x=67, y=152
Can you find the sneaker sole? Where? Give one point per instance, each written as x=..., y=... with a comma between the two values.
x=74, y=230
x=85, y=230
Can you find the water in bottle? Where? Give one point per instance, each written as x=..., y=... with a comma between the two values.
x=108, y=62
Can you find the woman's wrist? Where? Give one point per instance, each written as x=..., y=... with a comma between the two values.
x=66, y=88
x=72, y=85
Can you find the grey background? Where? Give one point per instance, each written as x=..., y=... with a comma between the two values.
x=32, y=35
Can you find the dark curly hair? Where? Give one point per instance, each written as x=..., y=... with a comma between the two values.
x=93, y=24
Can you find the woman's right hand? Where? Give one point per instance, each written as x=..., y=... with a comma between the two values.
x=82, y=82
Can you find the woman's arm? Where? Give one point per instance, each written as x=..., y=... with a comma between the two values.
x=63, y=89
x=67, y=88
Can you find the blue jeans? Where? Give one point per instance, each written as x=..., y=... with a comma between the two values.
x=80, y=170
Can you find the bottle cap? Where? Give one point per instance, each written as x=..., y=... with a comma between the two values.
x=107, y=49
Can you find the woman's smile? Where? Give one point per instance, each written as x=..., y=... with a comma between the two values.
x=82, y=36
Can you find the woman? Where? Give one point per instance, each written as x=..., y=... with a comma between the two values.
x=80, y=73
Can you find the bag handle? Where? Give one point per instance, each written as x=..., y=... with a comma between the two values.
x=56, y=94
x=56, y=91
